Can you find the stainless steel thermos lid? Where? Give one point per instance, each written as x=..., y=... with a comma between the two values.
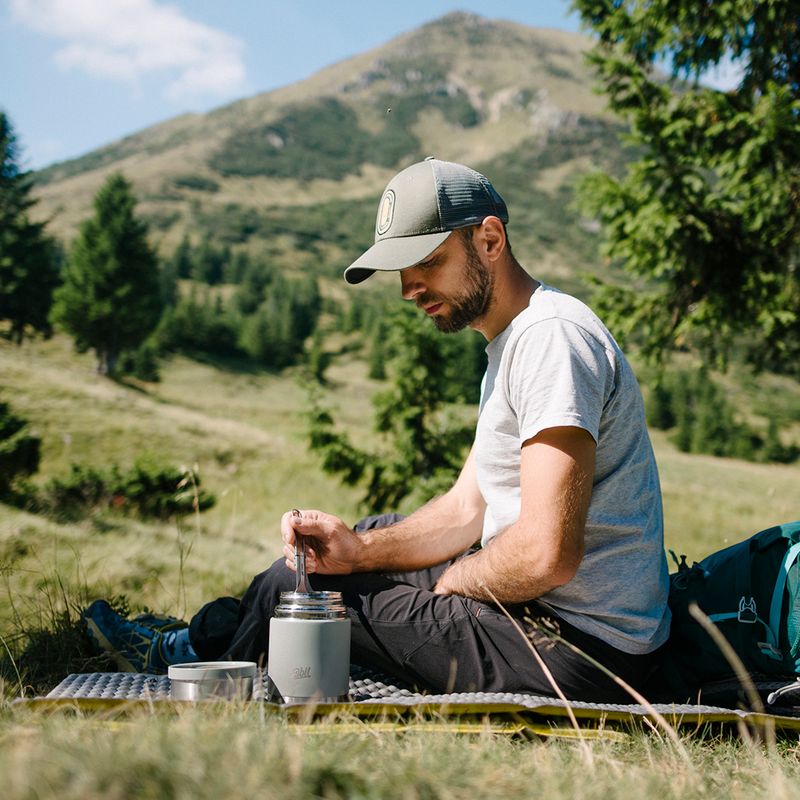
x=311, y=605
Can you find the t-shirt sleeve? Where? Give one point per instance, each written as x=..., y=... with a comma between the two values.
x=559, y=375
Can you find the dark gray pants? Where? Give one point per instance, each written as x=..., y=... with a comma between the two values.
x=443, y=643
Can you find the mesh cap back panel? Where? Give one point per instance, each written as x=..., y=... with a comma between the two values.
x=459, y=192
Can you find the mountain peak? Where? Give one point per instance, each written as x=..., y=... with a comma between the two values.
x=462, y=86
x=467, y=17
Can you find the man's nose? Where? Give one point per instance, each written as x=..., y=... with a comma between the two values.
x=411, y=284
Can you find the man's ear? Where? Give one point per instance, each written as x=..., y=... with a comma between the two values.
x=491, y=238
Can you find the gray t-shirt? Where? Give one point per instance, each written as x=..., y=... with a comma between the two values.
x=557, y=365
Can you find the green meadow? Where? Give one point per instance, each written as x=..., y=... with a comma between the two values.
x=244, y=433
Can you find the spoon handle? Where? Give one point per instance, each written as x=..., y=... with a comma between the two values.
x=300, y=559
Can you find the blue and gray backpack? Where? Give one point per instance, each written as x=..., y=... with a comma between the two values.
x=751, y=592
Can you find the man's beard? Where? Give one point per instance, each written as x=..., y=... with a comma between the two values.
x=474, y=301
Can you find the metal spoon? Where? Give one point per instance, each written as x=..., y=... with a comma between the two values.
x=299, y=559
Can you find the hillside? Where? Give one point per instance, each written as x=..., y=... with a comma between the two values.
x=297, y=171
x=245, y=432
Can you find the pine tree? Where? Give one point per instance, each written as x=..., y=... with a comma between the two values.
x=317, y=359
x=659, y=406
x=707, y=219
x=28, y=258
x=275, y=332
x=422, y=453
x=255, y=278
x=235, y=269
x=111, y=298
x=199, y=323
x=376, y=359
x=465, y=355
x=683, y=410
x=181, y=261
x=209, y=262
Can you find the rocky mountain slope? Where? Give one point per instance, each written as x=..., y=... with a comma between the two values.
x=298, y=171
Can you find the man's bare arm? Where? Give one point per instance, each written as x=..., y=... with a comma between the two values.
x=543, y=548
x=440, y=530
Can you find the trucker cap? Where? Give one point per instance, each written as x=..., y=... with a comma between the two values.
x=420, y=207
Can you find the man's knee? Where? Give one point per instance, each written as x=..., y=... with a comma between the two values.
x=212, y=628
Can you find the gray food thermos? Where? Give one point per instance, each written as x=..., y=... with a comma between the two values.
x=309, y=648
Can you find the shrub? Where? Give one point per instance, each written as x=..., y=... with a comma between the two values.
x=344, y=226
x=19, y=449
x=318, y=140
x=199, y=325
x=286, y=315
x=142, y=363
x=197, y=182
x=147, y=489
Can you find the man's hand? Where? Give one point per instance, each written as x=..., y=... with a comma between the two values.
x=332, y=548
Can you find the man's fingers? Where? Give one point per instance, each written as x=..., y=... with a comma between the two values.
x=296, y=521
x=318, y=530
x=287, y=528
x=289, y=551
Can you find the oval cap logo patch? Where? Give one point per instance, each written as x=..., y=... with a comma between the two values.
x=385, y=213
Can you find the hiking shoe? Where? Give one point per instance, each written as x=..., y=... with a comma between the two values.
x=135, y=645
x=160, y=622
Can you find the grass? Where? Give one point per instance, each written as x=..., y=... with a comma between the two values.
x=246, y=434
x=711, y=502
x=202, y=753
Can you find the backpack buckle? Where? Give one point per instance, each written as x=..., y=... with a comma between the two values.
x=770, y=651
x=747, y=611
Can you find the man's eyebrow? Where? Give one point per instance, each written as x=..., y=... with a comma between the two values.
x=430, y=261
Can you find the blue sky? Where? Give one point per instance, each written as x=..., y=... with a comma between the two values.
x=76, y=74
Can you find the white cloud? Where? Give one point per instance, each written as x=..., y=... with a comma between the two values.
x=131, y=39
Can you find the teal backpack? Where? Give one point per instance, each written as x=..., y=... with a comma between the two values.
x=751, y=592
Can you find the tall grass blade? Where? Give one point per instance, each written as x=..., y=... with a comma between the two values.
x=659, y=718
x=551, y=680
x=731, y=656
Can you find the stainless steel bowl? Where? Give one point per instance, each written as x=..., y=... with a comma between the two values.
x=219, y=680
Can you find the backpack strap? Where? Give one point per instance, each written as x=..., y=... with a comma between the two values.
x=747, y=615
x=792, y=533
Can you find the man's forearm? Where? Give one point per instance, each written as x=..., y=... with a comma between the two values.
x=508, y=570
x=438, y=531
x=544, y=547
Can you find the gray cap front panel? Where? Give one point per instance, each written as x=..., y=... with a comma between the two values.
x=415, y=210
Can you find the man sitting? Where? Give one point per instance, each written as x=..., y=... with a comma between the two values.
x=560, y=486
